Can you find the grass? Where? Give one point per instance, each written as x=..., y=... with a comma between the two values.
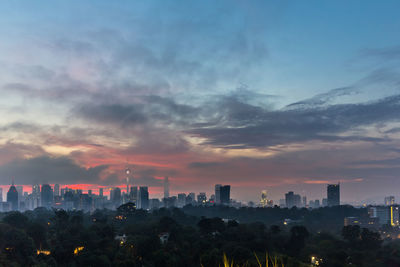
x=269, y=262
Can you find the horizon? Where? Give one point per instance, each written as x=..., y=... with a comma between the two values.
x=276, y=96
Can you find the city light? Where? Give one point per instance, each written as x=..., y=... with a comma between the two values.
x=77, y=250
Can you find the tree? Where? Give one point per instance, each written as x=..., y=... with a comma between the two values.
x=351, y=233
x=370, y=239
x=16, y=219
x=298, y=235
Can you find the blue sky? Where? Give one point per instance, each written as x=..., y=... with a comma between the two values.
x=197, y=89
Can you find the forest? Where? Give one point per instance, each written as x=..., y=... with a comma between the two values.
x=192, y=236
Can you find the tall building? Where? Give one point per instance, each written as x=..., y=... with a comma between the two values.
x=389, y=200
x=143, y=198
x=46, y=196
x=1, y=194
x=166, y=187
x=217, y=199
x=292, y=200
x=20, y=191
x=386, y=215
x=35, y=196
x=225, y=194
x=57, y=190
x=116, y=196
x=202, y=198
x=304, y=201
x=333, y=194
x=128, y=173
x=101, y=192
x=264, y=199
x=222, y=194
x=133, y=194
x=12, y=197
x=181, y=200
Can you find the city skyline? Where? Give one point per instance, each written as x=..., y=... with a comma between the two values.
x=260, y=96
x=331, y=198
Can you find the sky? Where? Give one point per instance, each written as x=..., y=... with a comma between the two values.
x=275, y=95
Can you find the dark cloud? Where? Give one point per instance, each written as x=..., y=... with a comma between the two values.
x=323, y=99
x=243, y=125
x=113, y=113
x=47, y=169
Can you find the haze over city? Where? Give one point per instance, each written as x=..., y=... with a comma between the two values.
x=275, y=96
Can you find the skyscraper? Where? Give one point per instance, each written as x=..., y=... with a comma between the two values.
x=46, y=195
x=264, y=199
x=201, y=198
x=12, y=197
x=56, y=190
x=191, y=198
x=20, y=191
x=166, y=187
x=217, y=194
x=101, y=192
x=128, y=173
x=181, y=200
x=1, y=194
x=115, y=196
x=143, y=198
x=133, y=194
x=333, y=195
x=389, y=200
x=225, y=194
x=292, y=200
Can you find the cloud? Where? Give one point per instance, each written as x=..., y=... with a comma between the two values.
x=246, y=126
x=47, y=169
x=200, y=165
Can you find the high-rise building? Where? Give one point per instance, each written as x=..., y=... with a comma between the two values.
x=1, y=194
x=128, y=173
x=292, y=200
x=12, y=197
x=264, y=199
x=222, y=194
x=143, y=198
x=166, y=187
x=191, y=198
x=101, y=192
x=46, y=196
x=116, y=196
x=218, y=194
x=56, y=190
x=181, y=200
x=35, y=196
x=333, y=194
x=133, y=194
x=304, y=201
x=225, y=194
x=389, y=200
x=20, y=191
x=386, y=215
x=202, y=198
